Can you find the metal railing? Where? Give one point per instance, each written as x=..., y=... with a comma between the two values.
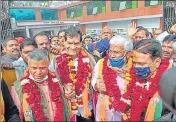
x=169, y=14
x=5, y=21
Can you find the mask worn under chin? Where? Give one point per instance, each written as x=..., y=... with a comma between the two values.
x=117, y=62
x=142, y=72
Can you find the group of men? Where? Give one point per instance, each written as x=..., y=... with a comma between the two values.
x=75, y=79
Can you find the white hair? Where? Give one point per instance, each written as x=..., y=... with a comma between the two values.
x=38, y=55
x=122, y=40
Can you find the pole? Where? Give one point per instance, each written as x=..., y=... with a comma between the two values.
x=27, y=32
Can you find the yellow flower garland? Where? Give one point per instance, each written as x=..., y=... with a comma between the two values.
x=127, y=76
x=72, y=75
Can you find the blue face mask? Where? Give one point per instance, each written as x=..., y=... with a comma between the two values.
x=117, y=62
x=142, y=72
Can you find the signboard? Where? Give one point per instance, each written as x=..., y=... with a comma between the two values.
x=33, y=23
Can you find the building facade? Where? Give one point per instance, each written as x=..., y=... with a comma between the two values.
x=116, y=14
x=28, y=21
x=92, y=16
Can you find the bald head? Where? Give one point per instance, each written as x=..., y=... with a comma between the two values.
x=106, y=33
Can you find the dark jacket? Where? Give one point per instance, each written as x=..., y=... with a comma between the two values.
x=11, y=111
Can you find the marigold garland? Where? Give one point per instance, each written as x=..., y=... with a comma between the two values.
x=112, y=89
x=34, y=97
x=66, y=70
x=67, y=73
x=137, y=94
x=109, y=77
x=128, y=76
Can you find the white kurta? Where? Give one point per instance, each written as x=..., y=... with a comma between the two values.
x=111, y=114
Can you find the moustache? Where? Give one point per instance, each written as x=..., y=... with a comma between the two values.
x=15, y=50
x=166, y=52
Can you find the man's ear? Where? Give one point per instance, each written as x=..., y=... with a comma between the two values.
x=156, y=64
x=20, y=52
x=148, y=37
x=5, y=49
x=132, y=53
x=65, y=42
x=129, y=54
x=81, y=43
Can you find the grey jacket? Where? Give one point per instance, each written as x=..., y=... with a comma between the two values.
x=8, y=58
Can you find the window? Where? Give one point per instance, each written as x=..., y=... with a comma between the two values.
x=153, y=2
x=49, y=14
x=22, y=14
x=75, y=11
x=122, y=5
x=96, y=7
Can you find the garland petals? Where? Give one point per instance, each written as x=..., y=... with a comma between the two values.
x=34, y=98
x=66, y=70
x=137, y=93
x=109, y=77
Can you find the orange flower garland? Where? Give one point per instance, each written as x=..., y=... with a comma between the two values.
x=112, y=89
x=79, y=78
x=137, y=93
x=34, y=97
x=109, y=77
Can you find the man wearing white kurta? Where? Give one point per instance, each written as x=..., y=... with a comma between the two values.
x=117, y=59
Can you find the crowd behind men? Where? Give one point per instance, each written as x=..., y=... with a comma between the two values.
x=70, y=78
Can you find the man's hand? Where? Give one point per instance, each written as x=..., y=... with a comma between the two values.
x=100, y=86
x=173, y=28
x=69, y=90
x=95, y=52
x=132, y=29
x=120, y=71
x=53, y=50
x=7, y=66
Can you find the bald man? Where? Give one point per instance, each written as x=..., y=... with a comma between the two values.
x=107, y=33
x=98, y=49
